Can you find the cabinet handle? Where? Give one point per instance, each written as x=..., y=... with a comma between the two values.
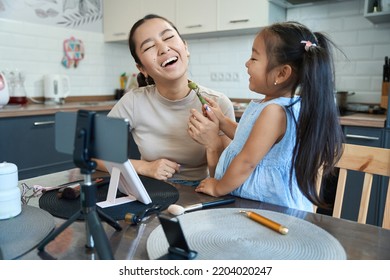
x=239, y=20
x=43, y=123
x=119, y=34
x=354, y=136
x=194, y=26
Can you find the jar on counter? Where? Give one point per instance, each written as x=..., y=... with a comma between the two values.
x=10, y=196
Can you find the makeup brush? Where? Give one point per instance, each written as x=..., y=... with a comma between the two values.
x=177, y=210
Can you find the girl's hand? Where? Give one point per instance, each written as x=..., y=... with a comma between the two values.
x=208, y=186
x=215, y=112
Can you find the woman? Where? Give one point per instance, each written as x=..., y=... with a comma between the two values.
x=158, y=112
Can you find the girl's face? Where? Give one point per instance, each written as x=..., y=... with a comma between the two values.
x=163, y=54
x=260, y=80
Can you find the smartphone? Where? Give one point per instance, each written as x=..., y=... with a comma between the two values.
x=108, y=137
x=178, y=247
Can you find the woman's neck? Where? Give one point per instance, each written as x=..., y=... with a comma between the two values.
x=174, y=90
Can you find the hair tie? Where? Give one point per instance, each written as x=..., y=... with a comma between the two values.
x=308, y=45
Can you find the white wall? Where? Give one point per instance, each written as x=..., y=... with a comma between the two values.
x=365, y=45
x=37, y=50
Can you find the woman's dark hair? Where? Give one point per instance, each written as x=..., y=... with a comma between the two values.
x=142, y=80
x=319, y=135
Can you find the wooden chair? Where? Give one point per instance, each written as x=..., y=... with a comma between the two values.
x=371, y=161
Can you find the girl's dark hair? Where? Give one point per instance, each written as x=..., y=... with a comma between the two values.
x=319, y=134
x=142, y=80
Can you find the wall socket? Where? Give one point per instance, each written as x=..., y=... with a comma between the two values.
x=225, y=76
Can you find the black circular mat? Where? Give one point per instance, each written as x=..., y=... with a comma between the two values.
x=160, y=193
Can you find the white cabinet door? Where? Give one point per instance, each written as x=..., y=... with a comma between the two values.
x=196, y=16
x=190, y=17
x=120, y=15
x=164, y=8
x=243, y=14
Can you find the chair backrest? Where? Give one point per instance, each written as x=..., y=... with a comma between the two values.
x=371, y=161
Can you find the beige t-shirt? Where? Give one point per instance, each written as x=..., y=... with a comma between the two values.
x=159, y=127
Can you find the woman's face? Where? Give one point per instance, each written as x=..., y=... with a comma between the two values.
x=163, y=54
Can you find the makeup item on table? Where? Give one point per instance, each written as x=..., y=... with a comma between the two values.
x=265, y=222
x=73, y=191
x=134, y=219
x=42, y=189
x=69, y=192
x=177, y=210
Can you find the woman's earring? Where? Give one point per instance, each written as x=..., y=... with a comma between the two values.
x=275, y=83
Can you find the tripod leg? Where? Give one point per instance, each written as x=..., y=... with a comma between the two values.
x=57, y=231
x=99, y=236
x=109, y=220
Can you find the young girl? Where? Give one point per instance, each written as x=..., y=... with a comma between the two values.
x=282, y=140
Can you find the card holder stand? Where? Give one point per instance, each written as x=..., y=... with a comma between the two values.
x=178, y=248
x=111, y=199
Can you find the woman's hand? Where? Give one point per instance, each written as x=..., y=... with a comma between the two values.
x=161, y=169
x=202, y=129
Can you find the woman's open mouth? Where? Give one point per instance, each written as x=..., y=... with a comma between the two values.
x=169, y=61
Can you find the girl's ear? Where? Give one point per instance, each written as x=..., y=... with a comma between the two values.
x=284, y=73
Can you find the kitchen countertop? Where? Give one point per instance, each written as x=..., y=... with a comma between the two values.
x=354, y=119
x=362, y=119
x=45, y=109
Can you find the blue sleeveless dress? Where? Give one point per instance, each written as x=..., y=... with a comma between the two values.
x=270, y=180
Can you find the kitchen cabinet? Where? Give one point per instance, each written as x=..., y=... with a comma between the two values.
x=28, y=140
x=120, y=15
x=225, y=17
x=194, y=19
x=29, y=143
x=378, y=17
x=196, y=16
x=367, y=136
x=233, y=14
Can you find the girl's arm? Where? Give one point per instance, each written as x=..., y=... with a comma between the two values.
x=268, y=129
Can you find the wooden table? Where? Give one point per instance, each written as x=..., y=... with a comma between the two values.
x=359, y=241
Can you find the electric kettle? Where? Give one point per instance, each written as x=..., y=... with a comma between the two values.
x=56, y=88
x=4, y=92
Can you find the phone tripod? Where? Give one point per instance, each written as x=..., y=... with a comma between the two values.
x=96, y=237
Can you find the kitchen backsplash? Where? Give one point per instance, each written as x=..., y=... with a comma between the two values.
x=217, y=62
